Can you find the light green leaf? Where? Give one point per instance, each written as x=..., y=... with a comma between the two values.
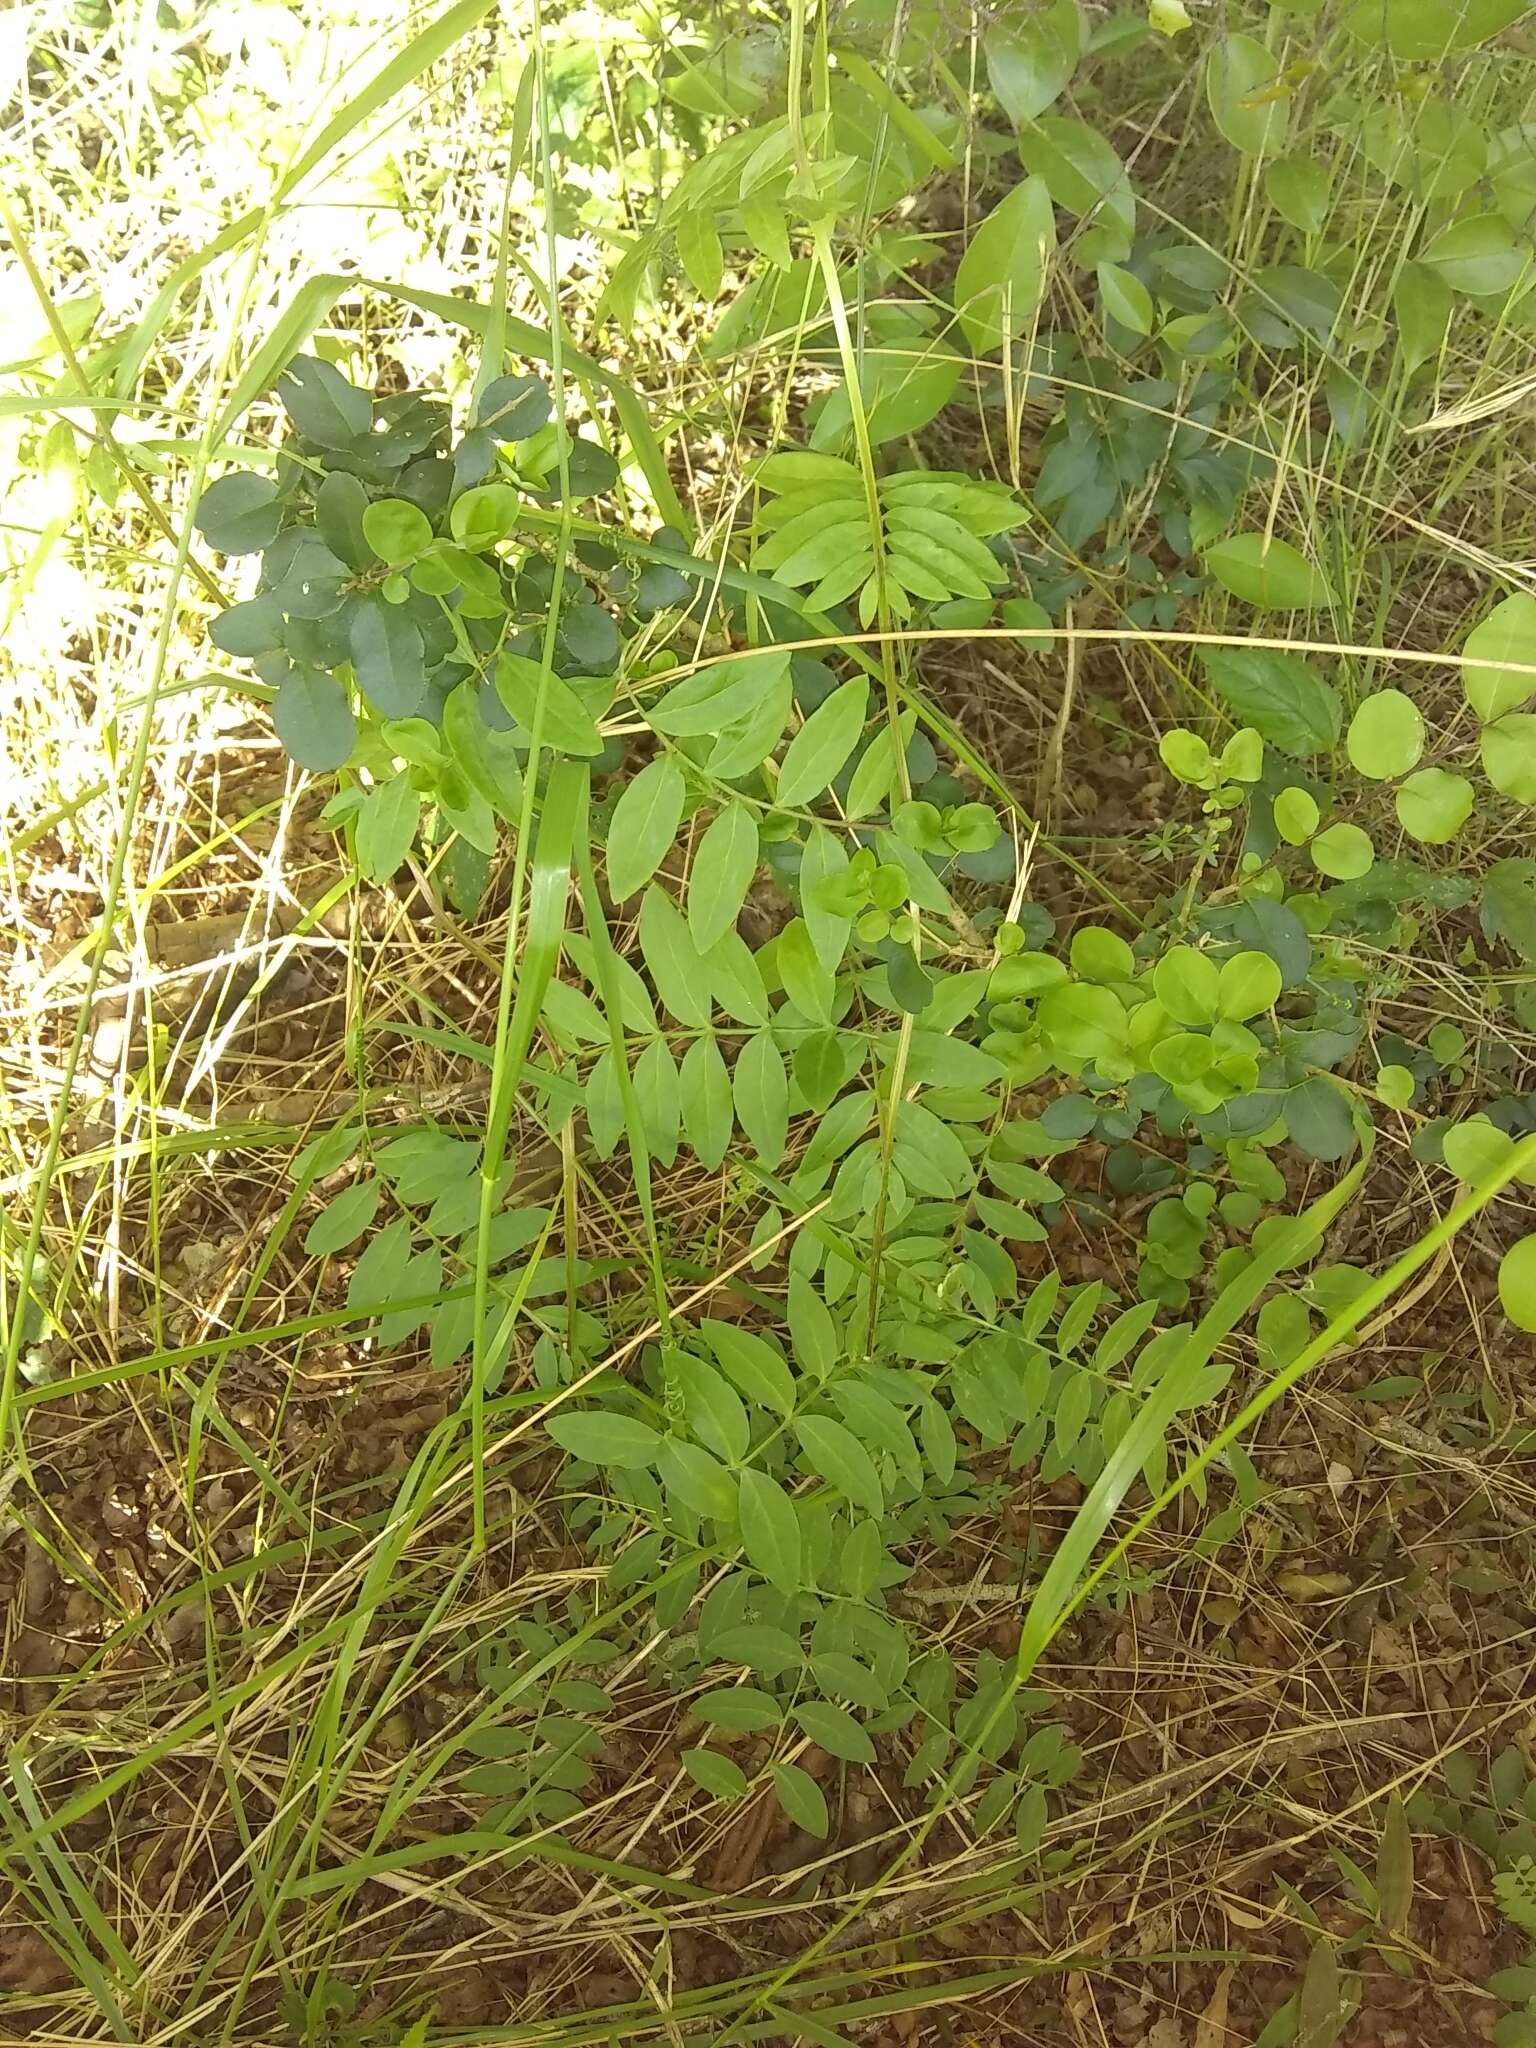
x=1249, y=108
x=1030, y=61
x=819, y=750
x=1433, y=805
x=603, y=1438
x=1298, y=188
x=568, y=725
x=644, y=825
x=807, y=983
x=1296, y=815
x=396, y=530
x=714, y=697
x=1267, y=573
x=1498, y=652
x=385, y=827
x=1001, y=277
x=1509, y=756
x=1124, y=297
x=1386, y=735
x=1517, y=1283
x=1344, y=852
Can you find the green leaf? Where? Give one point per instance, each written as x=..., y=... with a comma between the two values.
x=723, y=866
x=387, y=657
x=1517, y=1283
x=1030, y=62
x=696, y=1479
x=762, y=1649
x=1386, y=735
x=487, y=759
x=699, y=252
x=1188, y=985
x=1250, y=983
x=1394, y=1868
x=744, y=745
x=1123, y=297
x=1318, y=1119
x=1343, y=851
x=1001, y=276
x=483, y=516
x=677, y=970
x=314, y=720
x=1320, y=2006
x=1281, y=696
x=344, y=1218
x=838, y=1733
x=704, y=1088
x=819, y=750
x=770, y=1531
x=324, y=405
x=568, y=725
x=385, y=827
x=1477, y=254
x=1433, y=805
x=600, y=1437
x=760, y=1089
x=1251, y=111
x=1296, y=815
x=1269, y=574
x=752, y=1365
x=1498, y=650
x=741, y=1708
x=1420, y=31
x=240, y=514
x=716, y=1774
x=807, y=983
x=396, y=530
x=1423, y=305
x=1299, y=190
x=644, y=825
x=801, y=1798
x=837, y=1456
x=1509, y=755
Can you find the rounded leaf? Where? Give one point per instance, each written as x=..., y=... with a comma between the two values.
x=1252, y=118
x=1433, y=805
x=240, y=514
x=1296, y=815
x=484, y=515
x=1386, y=735
x=1517, y=1284
x=396, y=530
x=1509, y=756
x=1249, y=984
x=1501, y=658
x=1343, y=852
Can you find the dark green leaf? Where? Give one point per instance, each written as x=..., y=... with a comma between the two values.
x=836, y=1730
x=387, y=657
x=240, y=514
x=325, y=407
x=313, y=719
